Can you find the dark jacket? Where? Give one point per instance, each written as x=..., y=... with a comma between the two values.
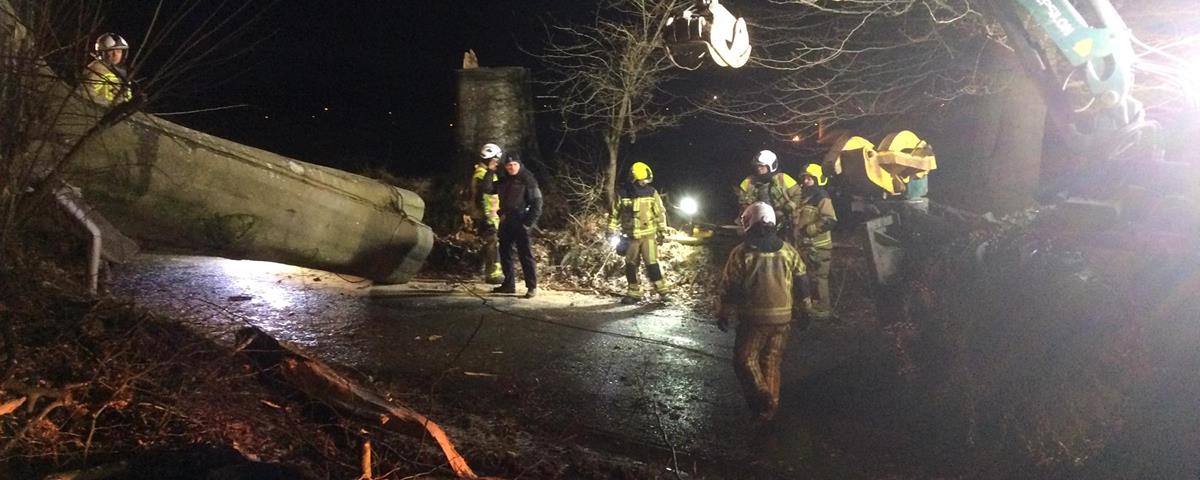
x=520, y=197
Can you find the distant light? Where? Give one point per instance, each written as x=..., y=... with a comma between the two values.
x=796, y=138
x=389, y=113
x=326, y=109
x=451, y=125
x=313, y=116
x=689, y=206
x=714, y=97
x=268, y=117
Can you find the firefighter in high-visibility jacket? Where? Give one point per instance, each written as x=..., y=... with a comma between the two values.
x=775, y=188
x=105, y=80
x=814, y=221
x=485, y=211
x=638, y=220
x=757, y=287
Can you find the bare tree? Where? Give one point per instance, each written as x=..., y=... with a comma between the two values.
x=829, y=62
x=825, y=62
x=609, y=75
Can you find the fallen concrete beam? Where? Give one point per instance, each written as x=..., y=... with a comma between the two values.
x=168, y=185
x=172, y=186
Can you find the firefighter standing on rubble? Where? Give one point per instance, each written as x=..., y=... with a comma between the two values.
x=814, y=221
x=520, y=206
x=105, y=80
x=485, y=211
x=756, y=287
x=639, y=219
x=777, y=189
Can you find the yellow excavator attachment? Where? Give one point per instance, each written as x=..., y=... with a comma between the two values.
x=901, y=157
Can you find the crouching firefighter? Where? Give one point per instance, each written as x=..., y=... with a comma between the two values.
x=814, y=221
x=639, y=218
x=756, y=286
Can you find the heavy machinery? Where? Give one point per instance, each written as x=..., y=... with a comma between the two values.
x=1084, y=72
x=1063, y=328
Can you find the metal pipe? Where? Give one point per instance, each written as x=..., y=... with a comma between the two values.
x=70, y=201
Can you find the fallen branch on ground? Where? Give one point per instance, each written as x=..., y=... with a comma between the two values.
x=322, y=383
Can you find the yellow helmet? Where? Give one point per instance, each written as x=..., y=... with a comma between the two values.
x=641, y=171
x=814, y=170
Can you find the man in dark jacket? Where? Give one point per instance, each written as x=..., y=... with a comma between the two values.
x=520, y=207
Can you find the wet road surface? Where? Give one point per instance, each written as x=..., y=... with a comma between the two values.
x=641, y=380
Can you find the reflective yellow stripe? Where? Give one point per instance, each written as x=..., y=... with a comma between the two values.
x=638, y=217
x=767, y=311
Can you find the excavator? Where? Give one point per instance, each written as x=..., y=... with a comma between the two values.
x=1083, y=70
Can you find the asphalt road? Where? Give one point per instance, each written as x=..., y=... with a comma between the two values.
x=652, y=381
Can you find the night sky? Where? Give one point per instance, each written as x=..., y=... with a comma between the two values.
x=386, y=71
x=347, y=84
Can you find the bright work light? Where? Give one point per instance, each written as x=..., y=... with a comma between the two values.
x=689, y=206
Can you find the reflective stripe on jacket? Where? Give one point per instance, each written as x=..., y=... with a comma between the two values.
x=638, y=212
x=780, y=192
x=815, y=219
x=483, y=204
x=103, y=85
x=759, y=284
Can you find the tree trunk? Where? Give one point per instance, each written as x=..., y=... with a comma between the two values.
x=610, y=173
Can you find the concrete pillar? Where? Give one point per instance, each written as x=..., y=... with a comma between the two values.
x=495, y=105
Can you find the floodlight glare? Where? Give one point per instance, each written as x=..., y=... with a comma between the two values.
x=689, y=206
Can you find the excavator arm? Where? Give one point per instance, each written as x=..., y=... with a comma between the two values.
x=1085, y=70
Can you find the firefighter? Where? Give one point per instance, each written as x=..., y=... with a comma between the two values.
x=814, y=221
x=639, y=219
x=520, y=206
x=105, y=80
x=756, y=286
x=777, y=189
x=485, y=211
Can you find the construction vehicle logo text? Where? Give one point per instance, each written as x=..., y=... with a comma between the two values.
x=1056, y=17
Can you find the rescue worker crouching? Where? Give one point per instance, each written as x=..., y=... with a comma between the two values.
x=485, y=211
x=814, y=221
x=520, y=206
x=638, y=217
x=756, y=287
x=104, y=79
x=777, y=189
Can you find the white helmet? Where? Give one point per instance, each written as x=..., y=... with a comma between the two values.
x=756, y=213
x=110, y=41
x=768, y=158
x=490, y=151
